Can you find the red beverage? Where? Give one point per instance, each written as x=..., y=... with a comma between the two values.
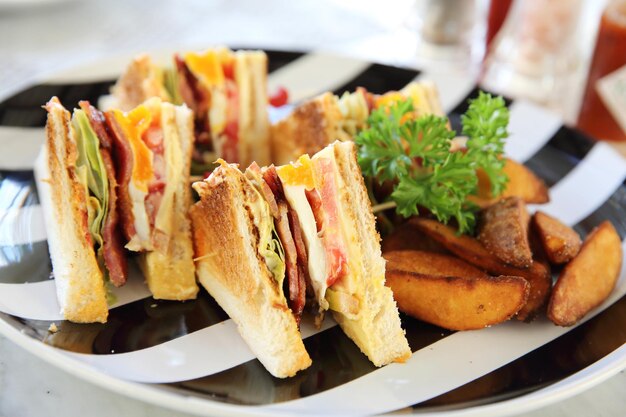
x=498, y=10
x=609, y=55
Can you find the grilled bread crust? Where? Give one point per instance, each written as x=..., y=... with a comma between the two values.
x=309, y=128
x=141, y=80
x=376, y=328
x=78, y=277
x=230, y=268
x=254, y=130
x=169, y=269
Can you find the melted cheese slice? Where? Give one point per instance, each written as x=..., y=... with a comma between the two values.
x=296, y=197
x=208, y=66
x=134, y=124
x=296, y=179
x=298, y=173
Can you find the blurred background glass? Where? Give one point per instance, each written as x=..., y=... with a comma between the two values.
x=535, y=54
x=603, y=111
x=536, y=49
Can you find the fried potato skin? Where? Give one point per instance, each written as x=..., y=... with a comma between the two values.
x=471, y=250
x=429, y=263
x=409, y=237
x=588, y=279
x=457, y=303
x=560, y=242
x=523, y=183
x=503, y=231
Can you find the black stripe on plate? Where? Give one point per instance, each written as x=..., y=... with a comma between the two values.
x=558, y=359
x=24, y=109
x=20, y=264
x=28, y=262
x=17, y=189
x=612, y=210
x=279, y=59
x=560, y=154
x=336, y=361
x=455, y=115
x=572, y=142
x=379, y=79
x=550, y=164
x=134, y=326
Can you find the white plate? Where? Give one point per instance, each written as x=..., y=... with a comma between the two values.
x=190, y=358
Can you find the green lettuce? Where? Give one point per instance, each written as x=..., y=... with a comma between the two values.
x=92, y=172
x=274, y=254
x=170, y=83
x=270, y=246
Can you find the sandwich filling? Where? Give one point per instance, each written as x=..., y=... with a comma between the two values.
x=287, y=226
x=145, y=159
x=207, y=83
x=312, y=186
x=356, y=107
x=96, y=172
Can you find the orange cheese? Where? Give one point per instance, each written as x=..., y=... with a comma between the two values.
x=299, y=173
x=134, y=124
x=208, y=66
x=389, y=99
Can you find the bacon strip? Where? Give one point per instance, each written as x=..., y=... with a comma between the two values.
x=323, y=203
x=154, y=139
x=197, y=99
x=290, y=235
x=112, y=245
x=370, y=99
x=265, y=189
x=124, y=169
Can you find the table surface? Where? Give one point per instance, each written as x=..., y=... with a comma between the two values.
x=47, y=36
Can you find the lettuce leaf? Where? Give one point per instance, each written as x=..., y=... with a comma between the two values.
x=92, y=172
x=170, y=83
x=270, y=247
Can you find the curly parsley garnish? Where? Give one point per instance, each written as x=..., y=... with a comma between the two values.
x=415, y=154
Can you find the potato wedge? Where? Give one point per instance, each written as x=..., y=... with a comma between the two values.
x=457, y=303
x=471, y=250
x=539, y=276
x=408, y=236
x=523, y=183
x=431, y=264
x=503, y=230
x=559, y=241
x=588, y=279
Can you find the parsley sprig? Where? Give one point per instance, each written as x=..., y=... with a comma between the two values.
x=415, y=154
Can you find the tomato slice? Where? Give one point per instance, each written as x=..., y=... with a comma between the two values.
x=325, y=209
x=229, y=150
x=279, y=98
x=229, y=70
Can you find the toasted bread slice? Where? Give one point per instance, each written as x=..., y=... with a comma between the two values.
x=231, y=268
x=375, y=325
x=326, y=118
x=254, y=129
x=141, y=80
x=312, y=126
x=169, y=269
x=78, y=277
